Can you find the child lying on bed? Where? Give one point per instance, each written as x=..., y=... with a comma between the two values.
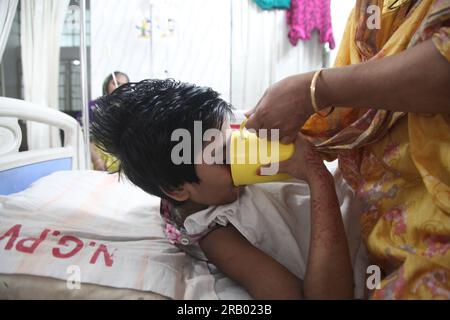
x=252, y=234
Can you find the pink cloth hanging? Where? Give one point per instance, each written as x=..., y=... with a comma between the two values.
x=306, y=15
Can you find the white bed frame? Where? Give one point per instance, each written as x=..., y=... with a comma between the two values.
x=19, y=169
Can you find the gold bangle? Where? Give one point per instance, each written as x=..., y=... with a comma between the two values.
x=313, y=95
x=313, y=90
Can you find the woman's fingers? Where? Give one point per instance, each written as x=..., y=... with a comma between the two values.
x=254, y=122
x=288, y=139
x=250, y=112
x=254, y=119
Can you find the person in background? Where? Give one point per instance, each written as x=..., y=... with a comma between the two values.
x=109, y=84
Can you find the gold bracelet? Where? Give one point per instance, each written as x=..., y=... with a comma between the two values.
x=313, y=90
x=313, y=94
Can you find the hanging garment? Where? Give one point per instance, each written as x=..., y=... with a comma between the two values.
x=273, y=4
x=306, y=15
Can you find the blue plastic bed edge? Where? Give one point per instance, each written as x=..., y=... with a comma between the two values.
x=19, y=178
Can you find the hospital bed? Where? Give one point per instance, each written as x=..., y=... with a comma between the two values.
x=18, y=171
x=71, y=233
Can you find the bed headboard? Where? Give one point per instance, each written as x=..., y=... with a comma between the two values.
x=18, y=170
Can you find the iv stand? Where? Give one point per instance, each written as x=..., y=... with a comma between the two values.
x=84, y=84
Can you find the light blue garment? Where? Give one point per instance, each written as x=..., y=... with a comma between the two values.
x=273, y=4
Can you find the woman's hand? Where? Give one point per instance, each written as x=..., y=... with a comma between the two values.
x=286, y=105
x=414, y=81
x=306, y=163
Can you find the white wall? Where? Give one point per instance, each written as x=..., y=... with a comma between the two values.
x=197, y=50
x=115, y=44
x=229, y=45
x=262, y=53
x=340, y=11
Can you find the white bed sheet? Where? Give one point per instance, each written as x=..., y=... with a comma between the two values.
x=96, y=209
x=85, y=213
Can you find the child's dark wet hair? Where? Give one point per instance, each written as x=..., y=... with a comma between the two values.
x=135, y=124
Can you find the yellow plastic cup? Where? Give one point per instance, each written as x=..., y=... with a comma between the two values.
x=248, y=152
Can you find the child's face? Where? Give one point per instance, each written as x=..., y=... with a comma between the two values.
x=216, y=185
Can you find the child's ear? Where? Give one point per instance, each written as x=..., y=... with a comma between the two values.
x=180, y=193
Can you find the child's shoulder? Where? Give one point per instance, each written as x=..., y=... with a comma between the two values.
x=292, y=186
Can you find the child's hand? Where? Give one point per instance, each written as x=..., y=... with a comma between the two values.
x=306, y=164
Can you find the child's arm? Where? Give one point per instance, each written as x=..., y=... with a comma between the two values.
x=329, y=273
x=260, y=274
x=328, y=250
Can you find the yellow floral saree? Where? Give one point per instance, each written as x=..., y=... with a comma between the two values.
x=399, y=163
